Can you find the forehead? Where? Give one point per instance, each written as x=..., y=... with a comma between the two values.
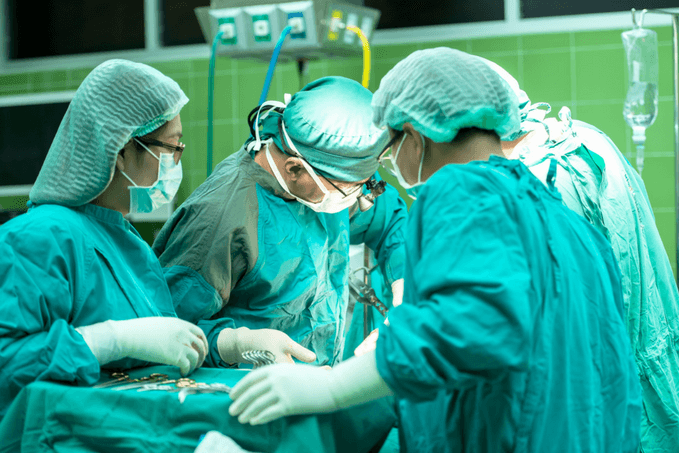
x=173, y=129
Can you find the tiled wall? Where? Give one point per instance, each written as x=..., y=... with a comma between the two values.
x=583, y=70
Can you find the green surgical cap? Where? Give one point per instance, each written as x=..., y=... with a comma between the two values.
x=440, y=91
x=330, y=123
x=118, y=100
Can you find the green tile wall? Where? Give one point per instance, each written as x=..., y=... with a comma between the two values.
x=583, y=70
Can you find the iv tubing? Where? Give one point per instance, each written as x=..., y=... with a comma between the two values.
x=210, y=100
x=366, y=54
x=272, y=64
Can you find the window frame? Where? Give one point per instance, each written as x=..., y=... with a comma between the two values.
x=512, y=25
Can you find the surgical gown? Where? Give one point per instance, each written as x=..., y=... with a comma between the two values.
x=63, y=268
x=511, y=335
x=599, y=183
x=237, y=254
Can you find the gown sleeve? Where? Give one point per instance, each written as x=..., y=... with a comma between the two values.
x=466, y=313
x=206, y=248
x=40, y=273
x=382, y=229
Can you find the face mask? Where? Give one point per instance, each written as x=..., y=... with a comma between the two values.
x=331, y=203
x=411, y=189
x=149, y=198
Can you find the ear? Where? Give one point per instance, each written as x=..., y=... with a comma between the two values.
x=120, y=161
x=416, y=137
x=294, y=168
x=124, y=155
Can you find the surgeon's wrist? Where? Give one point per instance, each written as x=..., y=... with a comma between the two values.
x=228, y=345
x=103, y=340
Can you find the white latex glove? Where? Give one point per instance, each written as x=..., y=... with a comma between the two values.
x=170, y=341
x=369, y=343
x=397, y=292
x=277, y=391
x=233, y=342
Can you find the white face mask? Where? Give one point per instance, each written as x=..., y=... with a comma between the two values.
x=401, y=180
x=331, y=203
x=145, y=199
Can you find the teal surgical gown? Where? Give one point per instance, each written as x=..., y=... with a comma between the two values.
x=511, y=334
x=237, y=254
x=597, y=182
x=62, y=268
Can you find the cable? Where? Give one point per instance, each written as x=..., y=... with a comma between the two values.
x=272, y=64
x=210, y=99
x=366, y=54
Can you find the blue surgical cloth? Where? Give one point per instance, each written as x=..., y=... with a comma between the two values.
x=511, y=334
x=237, y=254
x=64, y=268
x=118, y=100
x=440, y=91
x=598, y=183
x=330, y=123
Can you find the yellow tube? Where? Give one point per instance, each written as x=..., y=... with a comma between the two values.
x=366, y=54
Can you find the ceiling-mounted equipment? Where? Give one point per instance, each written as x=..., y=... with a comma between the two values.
x=250, y=27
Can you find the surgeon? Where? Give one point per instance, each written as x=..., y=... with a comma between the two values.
x=597, y=182
x=258, y=255
x=510, y=336
x=79, y=288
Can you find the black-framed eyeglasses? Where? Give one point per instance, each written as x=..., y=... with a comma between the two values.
x=179, y=148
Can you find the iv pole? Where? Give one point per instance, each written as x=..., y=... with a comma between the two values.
x=675, y=68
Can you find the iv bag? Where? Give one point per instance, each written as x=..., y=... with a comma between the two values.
x=641, y=103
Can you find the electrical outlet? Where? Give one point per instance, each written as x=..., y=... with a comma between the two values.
x=261, y=28
x=296, y=21
x=335, y=22
x=227, y=25
x=350, y=35
x=367, y=26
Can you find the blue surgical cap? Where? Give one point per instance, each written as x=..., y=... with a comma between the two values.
x=118, y=100
x=330, y=123
x=440, y=91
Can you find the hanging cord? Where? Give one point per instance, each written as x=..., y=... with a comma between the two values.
x=210, y=99
x=366, y=54
x=272, y=64
x=640, y=24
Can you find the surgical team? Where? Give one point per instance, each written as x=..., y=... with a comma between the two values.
x=534, y=305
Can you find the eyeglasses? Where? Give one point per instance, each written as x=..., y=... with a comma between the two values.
x=385, y=158
x=365, y=201
x=179, y=148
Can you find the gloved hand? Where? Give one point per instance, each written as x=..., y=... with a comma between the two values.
x=170, y=341
x=368, y=344
x=397, y=292
x=276, y=391
x=233, y=342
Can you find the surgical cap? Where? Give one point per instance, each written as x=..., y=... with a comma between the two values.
x=442, y=90
x=524, y=102
x=330, y=123
x=118, y=100
x=526, y=109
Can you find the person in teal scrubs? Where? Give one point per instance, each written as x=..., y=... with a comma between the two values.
x=79, y=288
x=597, y=182
x=258, y=255
x=511, y=334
